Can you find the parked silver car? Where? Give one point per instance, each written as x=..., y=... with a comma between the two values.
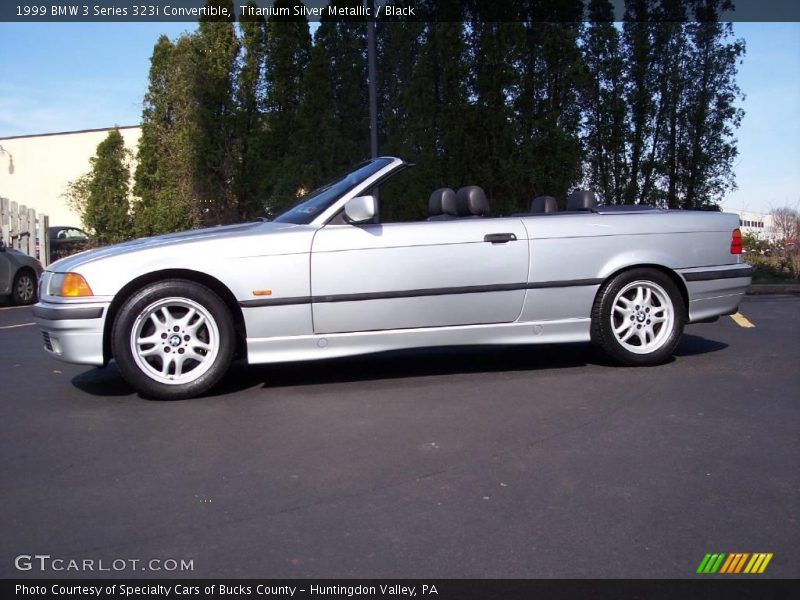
x=328, y=278
x=19, y=275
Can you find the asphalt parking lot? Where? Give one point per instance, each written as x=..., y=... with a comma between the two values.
x=497, y=463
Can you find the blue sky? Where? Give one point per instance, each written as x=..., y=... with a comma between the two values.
x=61, y=77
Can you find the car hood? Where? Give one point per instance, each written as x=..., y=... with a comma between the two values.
x=231, y=240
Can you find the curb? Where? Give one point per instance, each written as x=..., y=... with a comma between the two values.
x=773, y=288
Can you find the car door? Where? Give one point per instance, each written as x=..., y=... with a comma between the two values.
x=5, y=271
x=422, y=274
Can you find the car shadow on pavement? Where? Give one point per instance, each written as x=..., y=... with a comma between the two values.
x=692, y=345
x=401, y=364
x=103, y=381
x=398, y=364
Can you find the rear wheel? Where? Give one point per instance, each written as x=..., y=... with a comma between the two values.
x=173, y=339
x=638, y=317
x=24, y=290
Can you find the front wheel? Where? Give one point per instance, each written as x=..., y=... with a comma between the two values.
x=638, y=317
x=173, y=339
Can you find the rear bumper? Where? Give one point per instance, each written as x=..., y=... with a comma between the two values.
x=73, y=332
x=716, y=291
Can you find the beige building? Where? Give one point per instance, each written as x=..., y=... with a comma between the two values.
x=35, y=169
x=756, y=223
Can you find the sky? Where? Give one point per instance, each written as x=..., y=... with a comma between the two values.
x=65, y=77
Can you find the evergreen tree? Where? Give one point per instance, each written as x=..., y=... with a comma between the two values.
x=604, y=107
x=251, y=130
x=430, y=110
x=318, y=127
x=669, y=83
x=709, y=148
x=398, y=46
x=344, y=42
x=213, y=143
x=521, y=107
x=640, y=93
x=162, y=204
x=187, y=154
x=494, y=67
x=548, y=108
x=288, y=50
x=106, y=210
x=672, y=90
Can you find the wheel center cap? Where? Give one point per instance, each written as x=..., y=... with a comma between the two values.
x=175, y=341
x=640, y=317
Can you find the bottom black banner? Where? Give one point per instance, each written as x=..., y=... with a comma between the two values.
x=429, y=589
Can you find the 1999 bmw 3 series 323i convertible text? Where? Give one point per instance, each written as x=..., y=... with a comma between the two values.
x=327, y=278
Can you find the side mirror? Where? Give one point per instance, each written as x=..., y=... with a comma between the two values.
x=360, y=209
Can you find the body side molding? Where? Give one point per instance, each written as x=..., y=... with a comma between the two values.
x=444, y=291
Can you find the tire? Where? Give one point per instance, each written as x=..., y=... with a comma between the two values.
x=173, y=339
x=24, y=290
x=638, y=317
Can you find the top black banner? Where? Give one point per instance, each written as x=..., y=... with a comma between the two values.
x=555, y=11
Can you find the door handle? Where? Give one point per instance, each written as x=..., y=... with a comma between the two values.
x=499, y=238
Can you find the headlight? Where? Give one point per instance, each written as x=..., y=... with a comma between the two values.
x=70, y=285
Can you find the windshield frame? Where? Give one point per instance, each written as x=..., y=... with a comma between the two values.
x=383, y=164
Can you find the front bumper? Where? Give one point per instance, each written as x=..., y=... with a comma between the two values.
x=73, y=332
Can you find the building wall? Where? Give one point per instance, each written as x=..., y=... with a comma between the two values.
x=755, y=223
x=45, y=164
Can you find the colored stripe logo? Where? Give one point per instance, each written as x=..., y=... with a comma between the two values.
x=736, y=562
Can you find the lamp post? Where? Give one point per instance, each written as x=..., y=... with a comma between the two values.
x=10, y=160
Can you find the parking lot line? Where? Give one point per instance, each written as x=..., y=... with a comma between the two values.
x=12, y=307
x=741, y=320
x=15, y=326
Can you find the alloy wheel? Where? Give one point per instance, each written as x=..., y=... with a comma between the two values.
x=642, y=317
x=175, y=340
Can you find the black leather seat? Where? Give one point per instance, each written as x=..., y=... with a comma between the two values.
x=471, y=201
x=581, y=200
x=544, y=204
x=442, y=205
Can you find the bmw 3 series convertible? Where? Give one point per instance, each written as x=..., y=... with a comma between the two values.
x=328, y=279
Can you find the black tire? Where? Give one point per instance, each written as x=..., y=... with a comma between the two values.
x=25, y=289
x=216, y=330
x=664, y=335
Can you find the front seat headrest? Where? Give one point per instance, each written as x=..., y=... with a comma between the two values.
x=471, y=201
x=440, y=200
x=544, y=204
x=581, y=200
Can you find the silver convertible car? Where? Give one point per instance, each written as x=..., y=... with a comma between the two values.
x=329, y=279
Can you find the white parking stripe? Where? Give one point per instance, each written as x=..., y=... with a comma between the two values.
x=13, y=307
x=15, y=326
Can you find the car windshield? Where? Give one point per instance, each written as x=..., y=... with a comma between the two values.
x=321, y=198
x=71, y=234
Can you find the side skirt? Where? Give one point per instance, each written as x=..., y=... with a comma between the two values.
x=313, y=347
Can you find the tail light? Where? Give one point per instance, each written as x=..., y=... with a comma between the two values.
x=736, y=241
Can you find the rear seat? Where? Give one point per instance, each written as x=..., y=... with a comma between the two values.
x=544, y=204
x=582, y=200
